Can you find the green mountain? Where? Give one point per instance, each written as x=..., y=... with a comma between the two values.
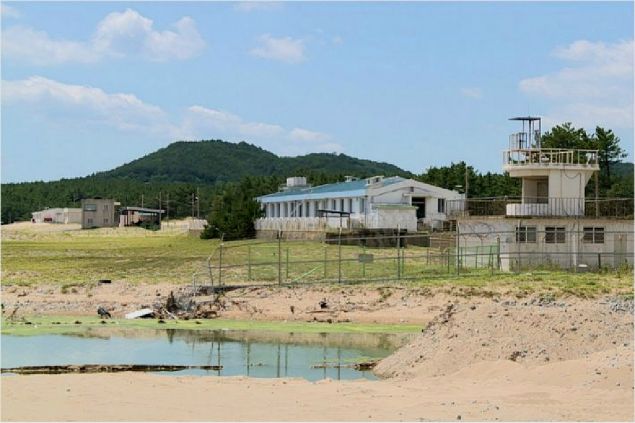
x=171, y=177
x=210, y=162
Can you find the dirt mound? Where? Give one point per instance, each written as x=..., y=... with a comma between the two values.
x=532, y=332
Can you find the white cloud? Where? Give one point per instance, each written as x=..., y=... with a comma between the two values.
x=8, y=11
x=251, y=6
x=595, y=88
x=128, y=32
x=472, y=92
x=225, y=122
x=119, y=34
x=82, y=105
x=285, y=49
x=299, y=134
x=36, y=47
x=203, y=122
x=121, y=111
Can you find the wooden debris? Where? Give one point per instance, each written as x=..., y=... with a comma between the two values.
x=102, y=368
x=362, y=366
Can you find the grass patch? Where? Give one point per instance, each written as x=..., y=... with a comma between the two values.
x=66, y=324
x=67, y=260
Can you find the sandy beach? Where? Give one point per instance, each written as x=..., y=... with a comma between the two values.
x=479, y=358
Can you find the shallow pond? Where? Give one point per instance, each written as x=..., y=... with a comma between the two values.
x=249, y=353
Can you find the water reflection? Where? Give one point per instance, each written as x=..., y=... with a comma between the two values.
x=250, y=353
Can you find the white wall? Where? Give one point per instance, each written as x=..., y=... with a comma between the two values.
x=570, y=254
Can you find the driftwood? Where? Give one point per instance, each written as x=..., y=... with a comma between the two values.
x=363, y=366
x=102, y=368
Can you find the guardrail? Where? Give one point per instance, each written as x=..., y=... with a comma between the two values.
x=619, y=208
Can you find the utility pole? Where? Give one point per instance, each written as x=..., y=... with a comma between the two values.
x=160, y=203
x=167, y=206
x=192, y=205
x=467, y=186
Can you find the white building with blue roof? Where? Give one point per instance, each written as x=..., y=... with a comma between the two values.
x=371, y=203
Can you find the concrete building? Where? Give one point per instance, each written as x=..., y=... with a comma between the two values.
x=552, y=223
x=98, y=213
x=373, y=203
x=57, y=215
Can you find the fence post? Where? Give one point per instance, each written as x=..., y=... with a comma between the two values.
x=220, y=265
x=279, y=257
x=498, y=253
x=325, y=246
x=249, y=262
x=209, y=269
x=397, y=241
x=599, y=261
x=458, y=255
x=364, y=261
x=339, y=256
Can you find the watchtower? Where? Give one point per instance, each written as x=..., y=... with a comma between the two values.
x=553, y=179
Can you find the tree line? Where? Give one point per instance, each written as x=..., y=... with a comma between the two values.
x=234, y=209
x=230, y=208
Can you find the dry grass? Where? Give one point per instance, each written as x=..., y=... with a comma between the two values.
x=66, y=255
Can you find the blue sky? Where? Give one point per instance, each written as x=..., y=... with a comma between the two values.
x=90, y=86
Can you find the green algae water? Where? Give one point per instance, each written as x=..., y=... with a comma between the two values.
x=247, y=353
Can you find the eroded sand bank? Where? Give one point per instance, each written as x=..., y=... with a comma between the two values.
x=479, y=358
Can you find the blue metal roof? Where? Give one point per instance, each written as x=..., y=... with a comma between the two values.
x=349, y=189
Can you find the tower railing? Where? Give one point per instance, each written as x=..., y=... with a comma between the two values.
x=550, y=157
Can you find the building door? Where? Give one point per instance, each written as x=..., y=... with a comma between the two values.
x=420, y=204
x=542, y=191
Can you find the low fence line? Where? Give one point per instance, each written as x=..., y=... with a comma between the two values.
x=411, y=257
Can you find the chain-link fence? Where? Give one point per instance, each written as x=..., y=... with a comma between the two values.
x=347, y=258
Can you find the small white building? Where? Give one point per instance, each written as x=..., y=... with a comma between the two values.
x=57, y=215
x=372, y=203
x=551, y=223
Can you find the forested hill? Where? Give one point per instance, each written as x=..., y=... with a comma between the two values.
x=210, y=162
x=177, y=172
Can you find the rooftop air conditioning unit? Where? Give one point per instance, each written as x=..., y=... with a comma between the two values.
x=296, y=181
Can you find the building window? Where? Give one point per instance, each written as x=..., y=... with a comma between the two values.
x=441, y=205
x=89, y=221
x=593, y=235
x=105, y=208
x=525, y=234
x=90, y=207
x=350, y=205
x=334, y=206
x=554, y=235
x=105, y=220
x=362, y=208
x=341, y=204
